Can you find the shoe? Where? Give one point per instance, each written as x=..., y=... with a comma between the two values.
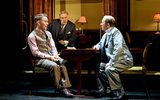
x=99, y=93
x=66, y=93
x=118, y=95
x=108, y=92
x=103, y=92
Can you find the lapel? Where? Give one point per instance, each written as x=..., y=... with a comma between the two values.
x=108, y=36
x=58, y=28
x=106, y=40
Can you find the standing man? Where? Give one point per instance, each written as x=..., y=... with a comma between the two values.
x=63, y=31
x=115, y=58
x=44, y=51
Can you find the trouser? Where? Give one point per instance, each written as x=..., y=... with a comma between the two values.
x=58, y=73
x=113, y=78
x=102, y=81
x=108, y=76
x=61, y=77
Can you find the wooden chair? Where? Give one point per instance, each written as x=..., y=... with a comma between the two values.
x=151, y=63
x=137, y=72
x=40, y=76
x=37, y=74
x=131, y=44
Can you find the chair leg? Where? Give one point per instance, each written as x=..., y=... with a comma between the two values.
x=146, y=89
x=29, y=92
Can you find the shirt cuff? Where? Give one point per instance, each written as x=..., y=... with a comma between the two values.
x=66, y=43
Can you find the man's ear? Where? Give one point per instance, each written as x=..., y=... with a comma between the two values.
x=107, y=24
x=38, y=22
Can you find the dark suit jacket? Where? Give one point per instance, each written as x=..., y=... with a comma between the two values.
x=69, y=33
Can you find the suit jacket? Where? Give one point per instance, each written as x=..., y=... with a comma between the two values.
x=115, y=48
x=69, y=33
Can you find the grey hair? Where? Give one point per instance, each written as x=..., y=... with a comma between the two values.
x=39, y=16
x=63, y=12
x=109, y=19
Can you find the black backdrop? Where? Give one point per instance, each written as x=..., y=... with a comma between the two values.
x=10, y=40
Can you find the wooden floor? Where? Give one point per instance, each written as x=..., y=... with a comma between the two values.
x=47, y=93
x=19, y=90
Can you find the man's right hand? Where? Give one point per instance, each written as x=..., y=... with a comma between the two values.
x=61, y=42
x=102, y=66
x=95, y=47
x=55, y=58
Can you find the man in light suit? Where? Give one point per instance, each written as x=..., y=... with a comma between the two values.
x=115, y=58
x=63, y=31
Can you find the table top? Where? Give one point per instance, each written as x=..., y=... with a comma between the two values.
x=78, y=54
x=86, y=50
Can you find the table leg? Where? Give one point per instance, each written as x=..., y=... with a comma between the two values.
x=79, y=78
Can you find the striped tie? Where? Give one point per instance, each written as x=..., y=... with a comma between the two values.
x=62, y=28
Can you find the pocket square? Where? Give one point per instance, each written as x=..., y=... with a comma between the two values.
x=69, y=32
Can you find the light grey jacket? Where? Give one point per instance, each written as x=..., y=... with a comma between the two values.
x=116, y=49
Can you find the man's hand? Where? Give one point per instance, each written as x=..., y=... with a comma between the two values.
x=64, y=42
x=95, y=47
x=61, y=42
x=55, y=58
x=102, y=66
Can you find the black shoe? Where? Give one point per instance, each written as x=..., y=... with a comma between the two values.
x=66, y=93
x=118, y=95
x=99, y=93
x=108, y=92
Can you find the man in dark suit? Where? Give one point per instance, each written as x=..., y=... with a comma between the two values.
x=63, y=31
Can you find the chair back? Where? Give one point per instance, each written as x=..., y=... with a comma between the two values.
x=151, y=57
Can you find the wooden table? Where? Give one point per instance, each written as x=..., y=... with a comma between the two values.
x=78, y=55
